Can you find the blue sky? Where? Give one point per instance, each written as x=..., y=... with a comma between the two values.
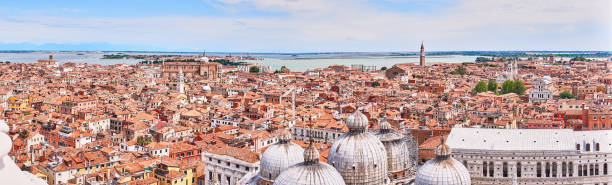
x=305, y=25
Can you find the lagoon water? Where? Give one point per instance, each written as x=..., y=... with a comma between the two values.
x=295, y=62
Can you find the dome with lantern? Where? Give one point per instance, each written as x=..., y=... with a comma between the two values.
x=280, y=156
x=443, y=169
x=398, y=150
x=310, y=172
x=358, y=155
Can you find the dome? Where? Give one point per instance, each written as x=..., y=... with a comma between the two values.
x=204, y=59
x=206, y=88
x=280, y=156
x=359, y=156
x=357, y=121
x=397, y=147
x=547, y=79
x=310, y=172
x=443, y=170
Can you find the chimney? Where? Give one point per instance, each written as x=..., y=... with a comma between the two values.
x=50, y=57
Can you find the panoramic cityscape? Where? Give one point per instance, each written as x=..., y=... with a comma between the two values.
x=306, y=92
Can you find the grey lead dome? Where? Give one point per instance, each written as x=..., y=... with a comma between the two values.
x=443, y=169
x=280, y=156
x=310, y=172
x=357, y=121
x=359, y=156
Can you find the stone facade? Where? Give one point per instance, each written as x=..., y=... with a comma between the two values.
x=540, y=93
x=208, y=70
x=534, y=156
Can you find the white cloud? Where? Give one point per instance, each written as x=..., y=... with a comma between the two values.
x=343, y=25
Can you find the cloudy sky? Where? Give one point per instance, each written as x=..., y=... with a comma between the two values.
x=305, y=25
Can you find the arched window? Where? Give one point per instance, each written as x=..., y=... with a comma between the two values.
x=597, y=147
x=505, y=169
x=491, y=169
x=484, y=169
x=539, y=169
x=563, y=169
x=588, y=147
x=579, y=170
x=554, y=169
x=571, y=169
x=577, y=146
x=518, y=169
x=605, y=168
x=585, y=170
x=591, y=170
x=547, y=169
x=596, y=169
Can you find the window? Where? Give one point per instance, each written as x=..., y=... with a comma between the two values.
x=571, y=169
x=577, y=146
x=491, y=169
x=591, y=170
x=547, y=169
x=594, y=117
x=539, y=169
x=588, y=147
x=605, y=168
x=518, y=169
x=484, y=169
x=585, y=170
x=596, y=169
x=597, y=147
x=505, y=169
x=554, y=169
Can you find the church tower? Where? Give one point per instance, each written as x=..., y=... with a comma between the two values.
x=181, y=82
x=422, y=61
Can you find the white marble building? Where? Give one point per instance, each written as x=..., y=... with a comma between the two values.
x=540, y=93
x=534, y=156
x=225, y=168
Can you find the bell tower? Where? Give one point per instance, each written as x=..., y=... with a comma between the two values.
x=422, y=56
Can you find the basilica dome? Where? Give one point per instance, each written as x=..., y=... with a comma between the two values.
x=443, y=169
x=397, y=147
x=204, y=59
x=206, y=88
x=358, y=155
x=310, y=172
x=280, y=156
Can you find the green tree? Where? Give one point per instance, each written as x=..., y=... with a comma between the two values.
x=480, y=87
x=144, y=140
x=566, y=95
x=492, y=86
x=383, y=68
x=375, y=84
x=518, y=87
x=483, y=59
x=459, y=71
x=507, y=87
x=254, y=69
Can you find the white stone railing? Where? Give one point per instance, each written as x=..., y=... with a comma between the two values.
x=9, y=172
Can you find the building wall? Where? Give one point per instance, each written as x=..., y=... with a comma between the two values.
x=226, y=168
